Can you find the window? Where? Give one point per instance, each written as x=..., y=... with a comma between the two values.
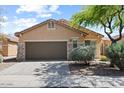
x=93, y=43
x=87, y=42
x=82, y=43
x=74, y=43
x=51, y=25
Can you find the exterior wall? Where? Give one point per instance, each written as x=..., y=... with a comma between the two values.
x=5, y=48
x=9, y=48
x=104, y=44
x=94, y=37
x=12, y=49
x=122, y=40
x=60, y=33
x=44, y=34
x=107, y=42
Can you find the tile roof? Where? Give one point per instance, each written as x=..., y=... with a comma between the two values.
x=10, y=38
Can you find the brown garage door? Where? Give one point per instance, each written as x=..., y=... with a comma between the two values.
x=46, y=51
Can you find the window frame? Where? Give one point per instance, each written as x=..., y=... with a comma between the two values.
x=51, y=25
x=73, y=42
x=92, y=42
x=87, y=44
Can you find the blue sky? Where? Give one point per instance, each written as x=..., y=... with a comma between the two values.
x=20, y=17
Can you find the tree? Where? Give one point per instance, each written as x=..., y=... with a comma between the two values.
x=109, y=17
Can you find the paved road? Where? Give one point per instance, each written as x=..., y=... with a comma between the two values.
x=52, y=74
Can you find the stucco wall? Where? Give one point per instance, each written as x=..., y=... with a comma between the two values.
x=5, y=47
x=43, y=33
x=12, y=49
x=9, y=48
x=60, y=33
x=104, y=44
x=122, y=40
x=94, y=37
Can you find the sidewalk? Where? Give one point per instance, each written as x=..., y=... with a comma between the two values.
x=9, y=57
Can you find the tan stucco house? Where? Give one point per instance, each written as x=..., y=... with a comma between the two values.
x=107, y=42
x=53, y=40
x=104, y=43
x=122, y=39
x=8, y=46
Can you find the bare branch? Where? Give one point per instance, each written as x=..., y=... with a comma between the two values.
x=104, y=25
x=108, y=34
x=109, y=24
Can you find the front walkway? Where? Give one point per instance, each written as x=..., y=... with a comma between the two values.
x=52, y=74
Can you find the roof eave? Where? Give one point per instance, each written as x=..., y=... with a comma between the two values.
x=68, y=26
x=32, y=27
x=37, y=25
x=17, y=34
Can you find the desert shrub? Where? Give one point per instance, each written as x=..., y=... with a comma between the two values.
x=103, y=58
x=1, y=58
x=83, y=54
x=115, y=53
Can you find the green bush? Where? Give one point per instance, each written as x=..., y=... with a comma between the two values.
x=1, y=58
x=115, y=53
x=104, y=58
x=83, y=54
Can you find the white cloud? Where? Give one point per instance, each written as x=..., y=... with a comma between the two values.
x=28, y=8
x=5, y=18
x=44, y=15
x=3, y=21
x=54, y=8
x=2, y=24
x=22, y=23
x=17, y=24
x=25, y=22
x=41, y=11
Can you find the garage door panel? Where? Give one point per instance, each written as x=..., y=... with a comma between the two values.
x=46, y=50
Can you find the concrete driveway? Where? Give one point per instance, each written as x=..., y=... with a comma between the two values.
x=33, y=74
x=52, y=74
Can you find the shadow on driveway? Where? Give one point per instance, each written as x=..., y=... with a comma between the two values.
x=53, y=74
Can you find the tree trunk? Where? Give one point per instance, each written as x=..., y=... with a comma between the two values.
x=113, y=42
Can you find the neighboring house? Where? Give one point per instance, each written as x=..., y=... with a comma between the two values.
x=122, y=40
x=53, y=40
x=8, y=46
x=104, y=43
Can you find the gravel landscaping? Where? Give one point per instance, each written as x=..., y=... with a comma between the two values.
x=96, y=68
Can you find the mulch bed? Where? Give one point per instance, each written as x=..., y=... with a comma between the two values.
x=99, y=69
